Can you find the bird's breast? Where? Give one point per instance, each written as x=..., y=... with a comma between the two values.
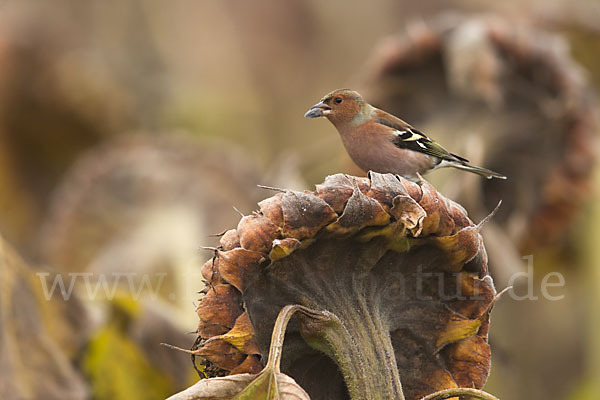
x=374, y=151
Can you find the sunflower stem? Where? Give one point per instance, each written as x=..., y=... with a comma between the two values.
x=362, y=349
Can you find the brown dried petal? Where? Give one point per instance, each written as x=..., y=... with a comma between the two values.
x=242, y=335
x=413, y=190
x=209, y=329
x=360, y=212
x=456, y=329
x=409, y=212
x=257, y=232
x=218, y=310
x=385, y=187
x=251, y=365
x=211, y=273
x=221, y=353
x=304, y=214
x=283, y=248
x=459, y=214
x=469, y=361
x=233, y=265
x=438, y=220
x=438, y=379
x=458, y=249
x=230, y=240
x=476, y=294
x=272, y=209
x=336, y=190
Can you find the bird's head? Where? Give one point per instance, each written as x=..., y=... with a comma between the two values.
x=342, y=106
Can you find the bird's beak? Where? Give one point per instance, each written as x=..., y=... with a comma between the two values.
x=318, y=110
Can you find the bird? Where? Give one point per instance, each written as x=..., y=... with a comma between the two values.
x=380, y=142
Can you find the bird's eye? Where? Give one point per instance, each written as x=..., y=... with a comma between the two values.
x=338, y=100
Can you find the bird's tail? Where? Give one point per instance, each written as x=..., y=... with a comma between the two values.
x=489, y=174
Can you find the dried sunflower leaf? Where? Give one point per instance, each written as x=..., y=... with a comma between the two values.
x=244, y=386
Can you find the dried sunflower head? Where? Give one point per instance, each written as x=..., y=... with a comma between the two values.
x=400, y=269
x=515, y=100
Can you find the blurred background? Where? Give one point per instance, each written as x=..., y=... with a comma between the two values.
x=129, y=131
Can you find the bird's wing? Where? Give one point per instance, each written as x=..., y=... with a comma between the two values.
x=407, y=137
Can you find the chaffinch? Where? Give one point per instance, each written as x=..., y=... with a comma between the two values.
x=380, y=142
